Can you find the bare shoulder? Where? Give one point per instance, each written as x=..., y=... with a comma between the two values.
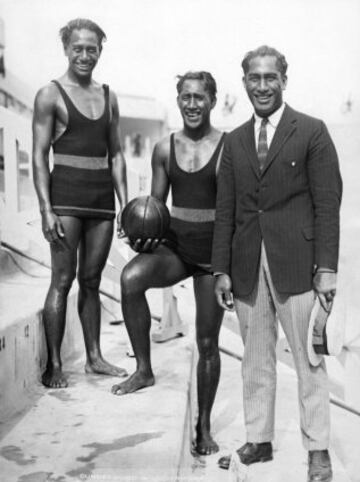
x=217, y=132
x=47, y=96
x=114, y=106
x=161, y=153
x=162, y=148
x=113, y=98
x=216, y=135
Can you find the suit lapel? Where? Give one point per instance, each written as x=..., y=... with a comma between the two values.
x=248, y=142
x=284, y=130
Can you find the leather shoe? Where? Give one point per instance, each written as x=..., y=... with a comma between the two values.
x=319, y=466
x=249, y=454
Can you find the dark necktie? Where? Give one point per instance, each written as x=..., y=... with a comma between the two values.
x=262, y=144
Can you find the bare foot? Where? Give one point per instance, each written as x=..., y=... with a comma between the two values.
x=135, y=382
x=54, y=378
x=205, y=444
x=102, y=367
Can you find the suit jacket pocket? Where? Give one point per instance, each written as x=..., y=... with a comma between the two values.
x=308, y=232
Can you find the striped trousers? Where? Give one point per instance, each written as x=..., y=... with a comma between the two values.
x=258, y=316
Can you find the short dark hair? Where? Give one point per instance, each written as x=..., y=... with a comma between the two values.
x=206, y=77
x=281, y=63
x=78, y=24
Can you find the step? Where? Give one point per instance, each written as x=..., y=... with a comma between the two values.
x=84, y=431
x=147, y=435
x=23, y=288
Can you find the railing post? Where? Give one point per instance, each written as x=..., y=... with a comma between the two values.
x=170, y=325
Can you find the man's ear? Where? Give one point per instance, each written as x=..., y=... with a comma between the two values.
x=213, y=102
x=244, y=81
x=284, y=81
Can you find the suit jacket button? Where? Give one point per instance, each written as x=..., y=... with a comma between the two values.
x=293, y=164
x=260, y=211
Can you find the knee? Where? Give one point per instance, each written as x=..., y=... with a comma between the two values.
x=132, y=280
x=208, y=347
x=89, y=281
x=63, y=281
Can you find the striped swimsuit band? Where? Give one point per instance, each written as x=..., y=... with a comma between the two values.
x=81, y=162
x=193, y=215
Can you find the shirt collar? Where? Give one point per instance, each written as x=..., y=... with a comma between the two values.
x=274, y=118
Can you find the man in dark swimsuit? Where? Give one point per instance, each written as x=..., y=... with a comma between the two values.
x=79, y=118
x=187, y=162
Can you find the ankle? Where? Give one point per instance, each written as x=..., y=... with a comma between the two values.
x=54, y=364
x=203, y=424
x=144, y=372
x=94, y=356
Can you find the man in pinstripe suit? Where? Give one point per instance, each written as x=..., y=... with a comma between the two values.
x=275, y=248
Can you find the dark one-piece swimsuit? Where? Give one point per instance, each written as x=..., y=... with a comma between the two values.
x=81, y=182
x=193, y=211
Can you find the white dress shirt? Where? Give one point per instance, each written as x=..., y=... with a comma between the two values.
x=271, y=126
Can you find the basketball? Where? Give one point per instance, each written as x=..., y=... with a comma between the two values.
x=145, y=217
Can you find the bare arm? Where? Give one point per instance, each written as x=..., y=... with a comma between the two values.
x=43, y=121
x=159, y=188
x=160, y=184
x=117, y=158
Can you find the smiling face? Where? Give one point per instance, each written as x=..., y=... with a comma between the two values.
x=195, y=103
x=264, y=84
x=83, y=52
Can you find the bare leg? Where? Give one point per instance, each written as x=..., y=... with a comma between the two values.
x=208, y=321
x=94, y=249
x=155, y=270
x=63, y=271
